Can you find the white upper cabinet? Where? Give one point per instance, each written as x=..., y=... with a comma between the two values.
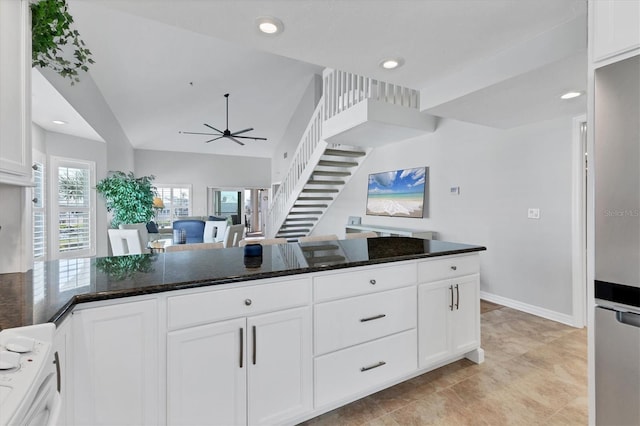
x=615, y=28
x=15, y=92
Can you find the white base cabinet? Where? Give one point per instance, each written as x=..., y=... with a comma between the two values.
x=115, y=364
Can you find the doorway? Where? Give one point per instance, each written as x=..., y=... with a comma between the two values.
x=579, y=203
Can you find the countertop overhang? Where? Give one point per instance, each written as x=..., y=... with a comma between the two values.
x=51, y=289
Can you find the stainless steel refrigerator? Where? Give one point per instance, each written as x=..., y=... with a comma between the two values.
x=617, y=243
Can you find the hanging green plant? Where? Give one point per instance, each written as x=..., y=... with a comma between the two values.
x=50, y=32
x=128, y=197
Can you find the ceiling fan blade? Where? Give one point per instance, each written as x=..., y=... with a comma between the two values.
x=214, y=139
x=255, y=138
x=235, y=140
x=211, y=127
x=242, y=131
x=197, y=133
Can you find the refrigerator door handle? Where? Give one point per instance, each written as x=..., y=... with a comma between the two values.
x=628, y=318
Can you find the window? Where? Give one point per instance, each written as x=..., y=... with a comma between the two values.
x=177, y=203
x=39, y=210
x=73, y=215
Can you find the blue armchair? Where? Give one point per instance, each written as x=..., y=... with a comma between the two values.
x=193, y=228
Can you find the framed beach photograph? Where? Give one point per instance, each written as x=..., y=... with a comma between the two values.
x=398, y=193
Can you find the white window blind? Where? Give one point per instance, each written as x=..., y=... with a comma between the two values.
x=73, y=215
x=39, y=212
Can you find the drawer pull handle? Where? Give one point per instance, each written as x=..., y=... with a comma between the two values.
x=372, y=282
x=247, y=302
x=371, y=367
x=454, y=268
x=373, y=318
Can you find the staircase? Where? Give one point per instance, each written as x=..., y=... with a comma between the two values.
x=330, y=174
x=319, y=170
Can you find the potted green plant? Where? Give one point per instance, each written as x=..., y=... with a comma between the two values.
x=54, y=43
x=129, y=198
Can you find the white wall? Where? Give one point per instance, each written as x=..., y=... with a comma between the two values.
x=297, y=125
x=501, y=173
x=202, y=171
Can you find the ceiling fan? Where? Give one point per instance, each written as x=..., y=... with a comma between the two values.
x=226, y=134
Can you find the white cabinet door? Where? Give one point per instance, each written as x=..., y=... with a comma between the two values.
x=448, y=318
x=616, y=27
x=435, y=302
x=465, y=325
x=15, y=90
x=62, y=349
x=206, y=374
x=115, y=361
x=280, y=366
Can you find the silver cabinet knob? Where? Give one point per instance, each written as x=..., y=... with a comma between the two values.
x=372, y=282
x=247, y=302
x=453, y=268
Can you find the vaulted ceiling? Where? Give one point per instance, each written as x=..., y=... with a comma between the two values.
x=163, y=66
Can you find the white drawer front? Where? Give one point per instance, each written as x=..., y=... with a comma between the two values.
x=357, y=369
x=455, y=266
x=363, y=281
x=343, y=323
x=215, y=305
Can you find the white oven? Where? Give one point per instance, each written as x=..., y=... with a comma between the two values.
x=29, y=377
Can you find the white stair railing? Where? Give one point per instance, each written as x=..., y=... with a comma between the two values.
x=343, y=89
x=291, y=185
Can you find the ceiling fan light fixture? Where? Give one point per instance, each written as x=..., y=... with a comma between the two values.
x=269, y=25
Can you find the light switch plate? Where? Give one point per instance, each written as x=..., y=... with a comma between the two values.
x=533, y=213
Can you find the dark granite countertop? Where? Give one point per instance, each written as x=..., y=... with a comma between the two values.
x=51, y=289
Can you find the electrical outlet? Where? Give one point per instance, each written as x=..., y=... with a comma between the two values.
x=533, y=213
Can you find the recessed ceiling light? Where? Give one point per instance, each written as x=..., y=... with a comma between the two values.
x=269, y=25
x=392, y=63
x=59, y=122
x=570, y=95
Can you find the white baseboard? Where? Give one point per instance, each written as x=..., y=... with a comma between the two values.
x=530, y=309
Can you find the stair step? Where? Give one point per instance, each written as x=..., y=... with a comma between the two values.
x=293, y=231
x=297, y=225
x=342, y=153
x=337, y=163
x=325, y=182
x=306, y=206
x=315, y=198
x=321, y=191
x=320, y=247
x=301, y=219
x=330, y=173
x=307, y=212
x=325, y=259
x=290, y=238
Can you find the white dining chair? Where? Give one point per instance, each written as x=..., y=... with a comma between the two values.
x=125, y=242
x=193, y=246
x=234, y=235
x=214, y=231
x=143, y=233
x=311, y=238
x=354, y=235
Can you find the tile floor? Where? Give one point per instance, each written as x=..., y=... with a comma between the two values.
x=535, y=373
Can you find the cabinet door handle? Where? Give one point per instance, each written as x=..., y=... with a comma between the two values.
x=56, y=361
x=451, y=304
x=371, y=367
x=241, y=345
x=372, y=282
x=457, y=297
x=375, y=317
x=454, y=268
x=254, y=344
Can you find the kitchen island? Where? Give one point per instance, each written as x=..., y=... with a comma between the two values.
x=212, y=337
